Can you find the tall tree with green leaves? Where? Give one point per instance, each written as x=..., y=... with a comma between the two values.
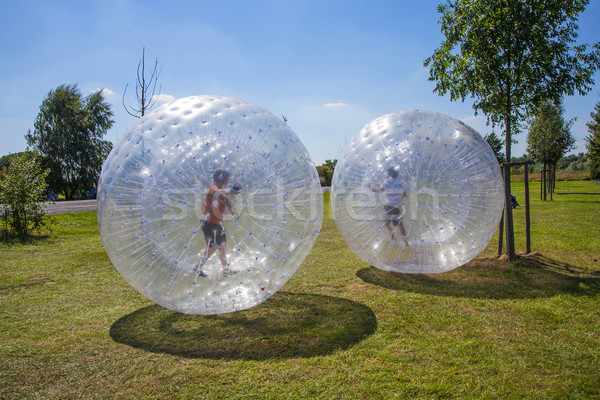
x=508, y=55
x=593, y=142
x=549, y=137
x=496, y=144
x=325, y=174
x=68, y=134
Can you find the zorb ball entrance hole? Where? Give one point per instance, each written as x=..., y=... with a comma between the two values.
x=152, y=194
x=417, y=192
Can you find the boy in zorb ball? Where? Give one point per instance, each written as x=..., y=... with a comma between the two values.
x=150, y=227
x=395, y=193
x=216, y=204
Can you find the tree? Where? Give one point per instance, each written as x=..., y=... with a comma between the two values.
x=593, y=143
x=145, y=88
x=331, y=164
x=508, y=55
x=325, y=174
x=68, y=134
x=7, y=159
x=549, y=137
x=23, y=195
x=496, y=144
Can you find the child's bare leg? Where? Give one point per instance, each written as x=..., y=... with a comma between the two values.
x=222, y=255
x=388, y=225
x=403, y=232
x=206, y=254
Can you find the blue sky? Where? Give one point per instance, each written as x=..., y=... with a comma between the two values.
x=328, y=66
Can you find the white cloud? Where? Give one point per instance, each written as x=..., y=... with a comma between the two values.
x=335, y=105
x=162, y=98
x=105, y=91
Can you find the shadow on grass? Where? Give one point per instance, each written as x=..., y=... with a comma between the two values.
x=530, y=276
x=568, y=193
x=10, y=239
x=287, y=325
x=584, y=200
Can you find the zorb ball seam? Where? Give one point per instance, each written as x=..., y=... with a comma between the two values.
x=417, y=192
x=154, y=213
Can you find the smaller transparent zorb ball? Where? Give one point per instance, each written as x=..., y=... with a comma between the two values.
x=417, y=192
x=152, y=198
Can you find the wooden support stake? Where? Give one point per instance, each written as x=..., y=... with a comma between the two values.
x=541, y=184
x=545, y=182
x=501, y=234
x=551, y=183
x=527, y=220
x=501, y=226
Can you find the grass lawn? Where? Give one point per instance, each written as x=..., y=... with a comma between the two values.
x=71, y=327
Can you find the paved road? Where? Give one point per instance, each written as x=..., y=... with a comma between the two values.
x=61, y=207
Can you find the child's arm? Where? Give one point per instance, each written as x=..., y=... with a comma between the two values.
x=374, y=189
x=230, y=205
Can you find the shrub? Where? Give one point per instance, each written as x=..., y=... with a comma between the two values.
x=23, y=195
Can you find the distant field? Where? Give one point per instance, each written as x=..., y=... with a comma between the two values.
x=72, y=328
x=560, y=176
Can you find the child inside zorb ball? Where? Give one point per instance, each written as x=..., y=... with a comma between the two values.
x=440, y=203
x=216, y=204
x=395, y=193
x=166, y=199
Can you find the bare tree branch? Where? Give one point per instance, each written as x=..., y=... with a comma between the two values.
x=145, y=88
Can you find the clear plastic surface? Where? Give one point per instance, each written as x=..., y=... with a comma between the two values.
x=152, y=194
x=441, y=209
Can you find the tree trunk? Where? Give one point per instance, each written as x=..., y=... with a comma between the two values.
x=542, y=184
x=143, y=83
x=508, y=220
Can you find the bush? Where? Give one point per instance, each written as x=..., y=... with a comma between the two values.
x=23, y=195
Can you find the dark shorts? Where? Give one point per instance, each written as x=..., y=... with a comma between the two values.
x=392, y=214
x=214, y=234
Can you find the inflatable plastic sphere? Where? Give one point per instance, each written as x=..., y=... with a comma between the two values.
x=208, y=205
x=417, y=192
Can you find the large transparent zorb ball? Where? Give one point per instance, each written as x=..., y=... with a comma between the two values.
x=417, y=192
x=152, y=194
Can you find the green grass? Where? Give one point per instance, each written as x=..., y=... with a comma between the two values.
x=72, y=328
